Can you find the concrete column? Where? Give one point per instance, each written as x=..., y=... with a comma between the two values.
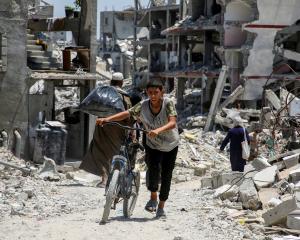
x=180, y=93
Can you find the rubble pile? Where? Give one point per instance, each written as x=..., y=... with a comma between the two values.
x=270, y=186
x=32, y=196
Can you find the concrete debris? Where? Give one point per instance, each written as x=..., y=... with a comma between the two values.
x=248, y=195
x=280, y=212
x=227, y=191
x=266, y=177
x=260, y=163
x=291, y=161
x=48, y=170
x=294, y=175
x=267, y=195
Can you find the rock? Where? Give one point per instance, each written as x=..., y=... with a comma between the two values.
x=29, y=192
x=291, y=161
x=200, y=170
x=206, y=182
x=16, y=209
x=227, y=191
x=273, y=202
x=248, y=195
x=260, y=163
x=286, y=173
x=294, y=175
x=220, y=179
x=48, y=170
x=280, y=212
x=23, y=197
x=266, y=194
x=265, y=177
x=293, y=220
x=180, y=178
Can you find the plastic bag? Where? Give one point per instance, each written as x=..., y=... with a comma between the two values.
x=245, y=147
x=102, y=102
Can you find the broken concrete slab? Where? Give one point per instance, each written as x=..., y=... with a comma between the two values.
x=227, y=191
x=294, y=175
x=260, y=163
x=280, y=212
x=266, y=194
x=291, y=161
x=285, y=173
x=265, y=177
x=293, y=220
x=220, y=179
x=248, y=195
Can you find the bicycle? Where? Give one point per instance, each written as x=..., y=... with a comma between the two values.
x=123, y=182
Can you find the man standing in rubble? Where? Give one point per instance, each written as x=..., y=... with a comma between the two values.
x=106, y=140
x=236, y=136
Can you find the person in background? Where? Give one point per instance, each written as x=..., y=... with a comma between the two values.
x=254, y=142
x=106, y=140
x=236, y=136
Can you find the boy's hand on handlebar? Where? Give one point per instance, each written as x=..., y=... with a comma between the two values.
x=101, y=121
x=153, y=133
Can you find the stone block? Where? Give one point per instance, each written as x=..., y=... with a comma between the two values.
x=260, y=163
x=293, y=220
x=265, y=177
x=285, y=173
x=227, y=191
x=291, y=161
x=294, y=175
x=248, y=195
x=200, y=170
x=280, y=212
x=266, y=194
x=206, y=182
x=220, y=179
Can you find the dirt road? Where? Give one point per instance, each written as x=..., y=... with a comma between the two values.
x=190, y=215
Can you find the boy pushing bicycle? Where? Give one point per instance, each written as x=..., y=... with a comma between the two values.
x=158, y=115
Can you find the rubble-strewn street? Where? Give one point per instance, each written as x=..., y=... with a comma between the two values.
x=211, y=87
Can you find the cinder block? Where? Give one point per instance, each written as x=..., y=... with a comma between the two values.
x=280, y=212
x=206, y=182
x=220, y=179
x=291, y=161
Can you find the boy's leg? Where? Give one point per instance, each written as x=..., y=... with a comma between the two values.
x=167, y=166
x=153, y=158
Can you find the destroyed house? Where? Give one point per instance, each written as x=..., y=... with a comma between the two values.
x=34, y=76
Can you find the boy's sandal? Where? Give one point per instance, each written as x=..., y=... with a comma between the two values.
x=160, y=213
x=151, y=206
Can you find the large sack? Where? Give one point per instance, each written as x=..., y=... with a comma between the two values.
x=102, y=102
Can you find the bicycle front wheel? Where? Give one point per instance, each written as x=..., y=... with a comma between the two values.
x=111, y=194
x=129, y=203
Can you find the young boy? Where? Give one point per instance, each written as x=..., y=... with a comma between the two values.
x=158, y=116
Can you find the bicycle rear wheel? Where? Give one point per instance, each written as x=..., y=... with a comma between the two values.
x=111, y=194
x=129, y=203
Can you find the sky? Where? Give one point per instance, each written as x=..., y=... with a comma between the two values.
x=103, y=5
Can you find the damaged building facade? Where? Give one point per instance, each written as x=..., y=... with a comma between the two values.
x=31, y=76
x=257, y=41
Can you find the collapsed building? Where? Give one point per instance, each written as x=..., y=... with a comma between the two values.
x=31, y=76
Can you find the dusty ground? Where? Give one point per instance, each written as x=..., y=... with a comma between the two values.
x=189, y=216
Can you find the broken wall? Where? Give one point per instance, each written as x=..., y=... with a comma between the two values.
x=273, y=16
x=13, y=84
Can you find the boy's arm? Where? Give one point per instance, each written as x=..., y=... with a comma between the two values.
x=170, y=125
x=117, y=117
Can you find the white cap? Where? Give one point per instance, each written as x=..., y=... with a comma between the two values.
x=117, y=76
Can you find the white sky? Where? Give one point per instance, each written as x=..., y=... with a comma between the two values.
x=103, y=5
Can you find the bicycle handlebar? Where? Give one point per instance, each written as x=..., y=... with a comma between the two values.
x=125, y=127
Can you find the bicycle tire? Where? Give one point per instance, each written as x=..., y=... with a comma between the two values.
x=111, y=195
x=129, y=203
